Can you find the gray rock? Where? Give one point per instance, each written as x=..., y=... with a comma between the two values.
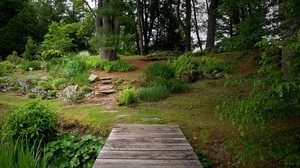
x=93, y=78
x=219, y=75
x=69, y=91
x=110, y=91
x=39, y=92
x=151, y=119
x=108, y=81
x=106, y=87
x=25, y=85
x=122, y=116
x=215, y=72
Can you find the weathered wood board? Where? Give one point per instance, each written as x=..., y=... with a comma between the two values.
x=147, y=146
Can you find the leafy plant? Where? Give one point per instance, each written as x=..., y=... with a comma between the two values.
x=6, y=67
x=172, y=85
x=128, y=96
x=184, y=63
x=94, y=62
x=30, y=50
x=86, y=89
x=154, y=93
x=50, y=54
x=44, y=85
x=209, y=64
x=14, y=58
x=75, y=67
x=157, y=70
x=22, y=155
x=70, y=151
x=59, y=83
x=34, y=122
x=35, y=65
x=204, y=160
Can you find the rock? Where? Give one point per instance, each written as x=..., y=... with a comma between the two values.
x=25, y=85
x=151, y=119
x=106, y=78
x=219, y=75
x=39, y=92
x=215, y=72
x=190, y=76
x=93, y=78
x=108, y=81
x=69, y=91
x=106, y=87
x=110, y=91
x=122, y=116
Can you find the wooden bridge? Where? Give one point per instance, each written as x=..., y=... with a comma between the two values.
x=141, y=146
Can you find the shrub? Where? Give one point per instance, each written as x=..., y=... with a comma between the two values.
x=34, y=121
x=52, y=93
x=35, y=65
x=22, y=155
x=80, y=79
x=154, y=93
x=172, y=85
x=184, y=63
x=86, y=89
x=14, y=58
x=204, y=160
x=75, y=67
x=118, y=66
x=44, y=85
x=59, y=83
x=71, y=151
x=6, y=67
x=208, y=65
x=157, y=70
x=50, y=54
x=128, y=96
x=94, y=62
x=54, y=63
x=30, y=50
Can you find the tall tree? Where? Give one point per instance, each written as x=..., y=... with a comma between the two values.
x=187, y=25
x=211, y=27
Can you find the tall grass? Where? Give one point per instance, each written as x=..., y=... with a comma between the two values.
x=128, y=96
x=19, y=154
x=154, y=93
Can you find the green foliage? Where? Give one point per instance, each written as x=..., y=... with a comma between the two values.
x=54, y=65
x=34, y=122
x=75, y=67
x=118, y=66
x=52, y=93
x=94, y=62
x=184, y=63
x=14, y=58
x=128, y=96
x=80, y=79
x=59, y=83
x=171, y=85
x=154, y=93
x=22, y=155
x=50, y=54
x=30, y=50
x=209, y=64
x=35, y=65
x=6, y=67
x=71, y=151
x=204, y=160
x=44, y=85
x=86, y=89
x=274, y=97
x=158, y=70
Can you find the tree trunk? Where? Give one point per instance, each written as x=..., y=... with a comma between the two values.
x=211, y=27
x=140, y=27
x=196, y=25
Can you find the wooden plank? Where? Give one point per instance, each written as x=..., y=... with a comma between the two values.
x=147, y=140
x=138, y=147
x=146, y=135
x=125, y=163
x=141, y=130
x=148, y=155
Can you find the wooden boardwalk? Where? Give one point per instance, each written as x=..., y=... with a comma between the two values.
x=141, y=146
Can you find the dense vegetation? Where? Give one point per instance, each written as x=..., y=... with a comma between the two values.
x=57, y=37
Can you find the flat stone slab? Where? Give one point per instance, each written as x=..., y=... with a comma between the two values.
x=109, y=91
x=107, y=87
x=108, y=81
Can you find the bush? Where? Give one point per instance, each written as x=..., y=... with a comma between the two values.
x=86, y=89
x=14, y=58
x=94, y=62
x=54, y=63
x=44, y=85
x=71, y=151
x=208, y=65
x=30, y=50
x=21, y=155
x=154, y=93
x=59, y=83
x=157, y=70
x=204, y=160
x=184, y=63
x=172, y=85
x=50, y=54
x=34, y=122
x=35, y=65
x=75, y=67
x=6, y=67
x=128, y=96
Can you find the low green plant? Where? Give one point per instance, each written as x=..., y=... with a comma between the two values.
x=59, y=83
x=118, y=66
x=20, y=154
x=209, y=64
x=154, y=93
x=128, y=96
x=54, y=64
x=44, y=85
x=75, y=67
x=35, y=65
x=94, y=62
x=204, y=160
x=70, y=151
x=52, y=93
x=184, y=63
x=157, y=70
x=80, y=79
x=14, y=58
x=34, y=122
x=6, y=67
x=86, y=89
x=172, y=85
x=50, y=54
x=30, y=50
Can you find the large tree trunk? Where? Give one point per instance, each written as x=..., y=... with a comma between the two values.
x=187, y=26
x=140, y=27
x=196, y=25
x=211, y=27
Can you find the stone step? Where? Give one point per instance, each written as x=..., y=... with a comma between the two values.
x=109, y=91
x=106, y=87
x=106, y=78
x=108, y=81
